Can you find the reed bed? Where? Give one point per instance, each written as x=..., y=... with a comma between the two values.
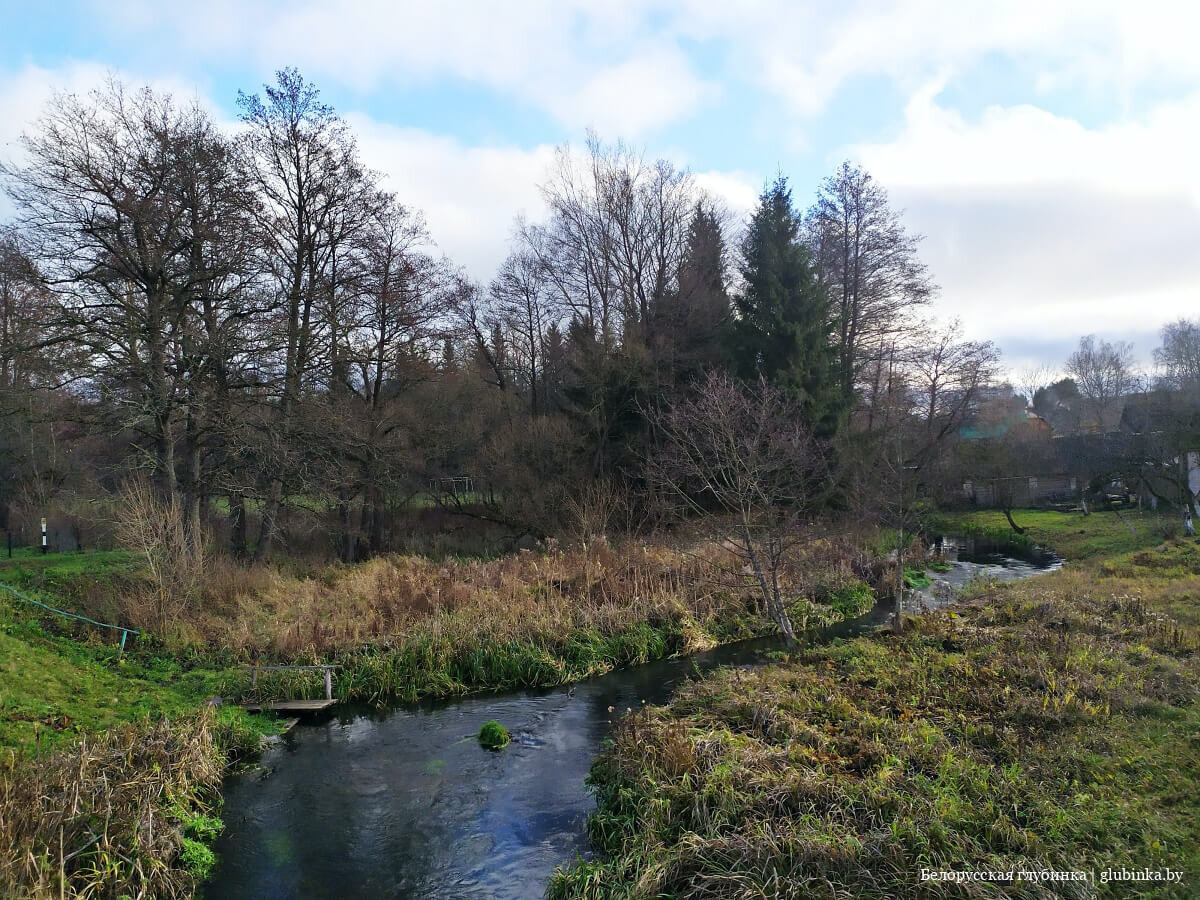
x=405, y=627
x=121, y=814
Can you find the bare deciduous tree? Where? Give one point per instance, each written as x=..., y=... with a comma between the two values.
x=134, y=207
x=947, y=376
x=868, y=262
x=152, y=526
x=1178, y=357
x=304, y=166
x=1103, y=373
x=744, y=454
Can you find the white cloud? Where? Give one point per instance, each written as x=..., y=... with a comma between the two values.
x=1037, y=225
x=24, y=93
x=636, y=96
x=805, y=52
x=470, y=195
x=584, y=63
x=738, y=190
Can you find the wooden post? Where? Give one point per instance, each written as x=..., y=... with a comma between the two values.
x=45, y=546
x=328, y=685
x=254, y=679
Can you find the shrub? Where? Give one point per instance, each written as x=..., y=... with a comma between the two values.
x=1169, y=529
x=493, y=735
x=50, y=807
x=153, y=527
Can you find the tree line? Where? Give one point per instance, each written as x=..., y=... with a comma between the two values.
x=252, y=322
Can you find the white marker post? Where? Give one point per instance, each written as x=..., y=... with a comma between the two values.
x=45, y=546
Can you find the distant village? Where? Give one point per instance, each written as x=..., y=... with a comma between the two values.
x=1060, y=449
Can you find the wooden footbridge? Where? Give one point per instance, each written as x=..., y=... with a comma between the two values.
x=291, y=706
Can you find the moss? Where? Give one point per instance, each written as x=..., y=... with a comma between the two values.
x=852, y=599
x=203, y=828
x=493, y=736
x=197, y=859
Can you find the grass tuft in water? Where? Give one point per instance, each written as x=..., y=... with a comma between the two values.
x=493, y=736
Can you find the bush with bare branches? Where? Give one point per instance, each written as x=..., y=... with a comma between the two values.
x=153, y=526
x=744, y=453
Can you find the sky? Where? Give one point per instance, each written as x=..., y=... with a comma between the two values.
x=1048, y=150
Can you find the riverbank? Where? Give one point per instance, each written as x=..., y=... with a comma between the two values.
x=110, y=762
x=402, y=628
x=407, y=628
x=1043, y=725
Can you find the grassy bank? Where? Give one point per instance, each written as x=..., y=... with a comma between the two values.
x=127, y=813
x=1073, y=535
x=110, y=761
x=1048, y=724
x=110, y=767
x=402, y=628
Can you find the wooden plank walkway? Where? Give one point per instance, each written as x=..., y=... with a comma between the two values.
x=289, y=705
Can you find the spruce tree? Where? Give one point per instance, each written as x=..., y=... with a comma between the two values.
x=781, y=332
x=691, y=319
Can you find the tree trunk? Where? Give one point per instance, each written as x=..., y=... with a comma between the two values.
x=1013, y=525
x=191, y=509
x=771, y=599
x=237, y=526
x=266, y=528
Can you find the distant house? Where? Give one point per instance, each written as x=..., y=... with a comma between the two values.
x=1069, y=445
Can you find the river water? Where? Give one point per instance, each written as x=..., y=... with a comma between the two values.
x=405, y=803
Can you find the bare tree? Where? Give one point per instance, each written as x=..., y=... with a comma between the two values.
x=526, y=309
x=868, y=262
x=397, y=328
x=1104, y=374
x=304, y=166
x=743, y=453
x=132, y=203
x=152, y=526
x=947, y=376
x=618, y=232
x=1033, y=380
x=1178, y=357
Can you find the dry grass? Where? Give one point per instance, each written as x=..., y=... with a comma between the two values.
x=388, y=600
x=110, y=816
x=1047, y=724
x=408, y=627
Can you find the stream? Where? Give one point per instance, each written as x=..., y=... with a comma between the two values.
x=405, y=803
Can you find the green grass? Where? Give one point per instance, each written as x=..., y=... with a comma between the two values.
x=28, y=563
x=429, y=667
x=48, y=698
x=1070, y=534
x=1048, y=724
x=60, y=679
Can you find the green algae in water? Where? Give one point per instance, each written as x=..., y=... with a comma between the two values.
x=493, y=735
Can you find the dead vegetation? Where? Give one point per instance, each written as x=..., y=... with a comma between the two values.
x=120, y=814
x=1046, y=724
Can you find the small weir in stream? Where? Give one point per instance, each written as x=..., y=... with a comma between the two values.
x=405, y=803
